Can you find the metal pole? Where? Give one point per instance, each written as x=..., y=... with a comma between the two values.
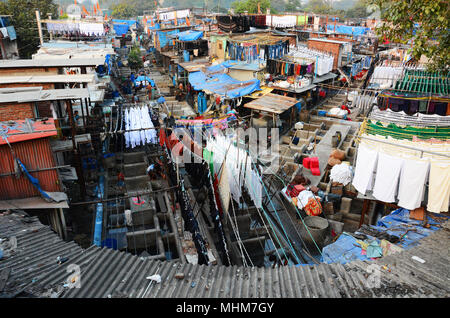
x=38, y=20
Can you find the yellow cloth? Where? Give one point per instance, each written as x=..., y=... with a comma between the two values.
x=439, y=187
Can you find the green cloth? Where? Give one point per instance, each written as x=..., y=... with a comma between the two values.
x=208, y=156
x=301, y=19
x=407, y=132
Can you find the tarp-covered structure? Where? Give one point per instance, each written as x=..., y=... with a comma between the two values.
x=347, y=248
x=348, y=29
x=122, y=26
x=144, y=80
x=163, y=37
x=189, y=35
x=215, y=81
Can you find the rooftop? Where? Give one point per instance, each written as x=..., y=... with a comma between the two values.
x=30, y=267
x=22, y=130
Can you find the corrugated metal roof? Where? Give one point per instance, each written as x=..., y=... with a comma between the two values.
x=35, y=155
x=272, y=103
x=22, y=130
x=109, y=273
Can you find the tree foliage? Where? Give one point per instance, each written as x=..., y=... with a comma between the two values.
x=425, y=24
x=320, y=7
x=135, y=58
x=251, y=6
x=293, y=5
x=24, y=21
x=123, y=10
x=359, y=10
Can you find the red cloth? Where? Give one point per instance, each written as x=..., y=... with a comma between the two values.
x=307, y=163
x=344, y=107
x=162, y=137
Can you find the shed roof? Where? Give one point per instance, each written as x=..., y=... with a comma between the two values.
x=272, y=103
x=28, y=129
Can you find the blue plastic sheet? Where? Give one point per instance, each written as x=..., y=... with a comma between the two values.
x=163, y=37
x=143, y=79
x=121, y=29
x=346, y=249
x=190, y=35
x=219, y=83
x=33, y=180
x=348, y=29
x=129, y=22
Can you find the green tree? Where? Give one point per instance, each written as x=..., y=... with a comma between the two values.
x=24, y=21
x=425, y=24
x=359, y=10
x=123, y=10
x=135, y=58
x=320, y=7
x=251, y=6
x=293, y=5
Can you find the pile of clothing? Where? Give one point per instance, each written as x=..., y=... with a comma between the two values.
x=304, y=197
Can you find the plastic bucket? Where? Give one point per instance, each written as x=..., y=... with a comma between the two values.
x=186, y=56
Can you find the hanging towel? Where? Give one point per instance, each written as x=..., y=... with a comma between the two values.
x=365, y=165
x=386, y=181
x=412, y=183
x=439, y=187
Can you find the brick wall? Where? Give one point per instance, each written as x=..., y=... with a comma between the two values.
x=328, y=47
x=16, y=111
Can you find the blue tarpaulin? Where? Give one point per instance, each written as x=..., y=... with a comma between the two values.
x=121, y=29
x=190, y=35
x=346, y=248
x=348, y=29
x=163, y=40
x=217, y=82
x=129, y=22
x=33, y=180
x=144, y=80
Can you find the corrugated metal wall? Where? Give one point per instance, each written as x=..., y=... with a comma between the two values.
x=34, y=154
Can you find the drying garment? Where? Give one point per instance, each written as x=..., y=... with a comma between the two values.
x=412, y=183
x=439, y=187
x=224, y=189
x=365, y=164
x=386, y=181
